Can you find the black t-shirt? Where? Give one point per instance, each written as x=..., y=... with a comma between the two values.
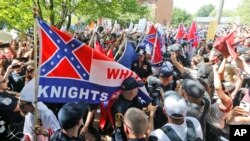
x=17, y=80
x=8, y=103
x=60, y=136
x=13, y=121
x=144, y=71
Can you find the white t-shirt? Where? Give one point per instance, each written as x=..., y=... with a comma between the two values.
x=180, y=130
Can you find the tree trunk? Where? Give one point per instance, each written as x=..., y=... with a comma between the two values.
x=52, y=14
x=39, y=9
x=69, y=22
x=2, y=24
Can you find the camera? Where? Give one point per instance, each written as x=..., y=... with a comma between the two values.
x=15, y=66
x=154, y=89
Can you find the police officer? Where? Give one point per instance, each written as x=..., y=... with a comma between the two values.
x=126, y=100
x=141, y=66
x=10, y=117
x=70, y=119
x=167, y=79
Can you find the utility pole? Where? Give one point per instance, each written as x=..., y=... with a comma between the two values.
x=219, y=11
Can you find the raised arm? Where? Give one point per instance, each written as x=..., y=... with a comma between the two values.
x=226, y=101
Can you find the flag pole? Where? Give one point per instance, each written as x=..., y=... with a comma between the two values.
x=35, y=12
x=121, y=46
x=92, y=38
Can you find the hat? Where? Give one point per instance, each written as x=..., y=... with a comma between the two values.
x=141, y=52
x=130, y=83
x=71, y=113
x=242, y=49
x=204, y=70
x=174, y=104
x=193, y=88
x=28, y=91
x=175, y=47
x=2, y=56
x=166, y=72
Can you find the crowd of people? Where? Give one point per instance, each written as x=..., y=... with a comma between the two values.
x=195, y=95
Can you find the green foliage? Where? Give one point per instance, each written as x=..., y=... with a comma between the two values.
x=18, y=14
x=205, y=10
x=122, y=10
x=225, y=13
x=243, y=11
x=181, y=16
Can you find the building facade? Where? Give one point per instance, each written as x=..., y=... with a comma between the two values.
x=162, y=10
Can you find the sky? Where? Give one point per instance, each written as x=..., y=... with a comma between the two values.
x=193, y=5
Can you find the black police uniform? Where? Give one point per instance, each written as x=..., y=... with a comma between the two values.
x=142, y=71
x=60, y=136
x=170, y=86
x=118, y=110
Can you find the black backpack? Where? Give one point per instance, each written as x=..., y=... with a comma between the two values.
x=191, y=134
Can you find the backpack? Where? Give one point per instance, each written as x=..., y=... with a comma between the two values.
x=191, y=134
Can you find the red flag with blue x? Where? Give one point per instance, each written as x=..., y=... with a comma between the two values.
x=62, y=53
x=69, y=70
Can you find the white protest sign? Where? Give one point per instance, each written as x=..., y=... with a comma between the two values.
x=142, y=25
x=5, y=36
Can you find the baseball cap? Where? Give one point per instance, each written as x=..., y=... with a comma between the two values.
x=141, y=52
x=193, y=88
x=130, y=83
x=175, y=105
x=174, y=48
x=242, y=49
x=71, y=113
x=166, y=72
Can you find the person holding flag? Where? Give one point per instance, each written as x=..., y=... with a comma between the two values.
x=47, y=121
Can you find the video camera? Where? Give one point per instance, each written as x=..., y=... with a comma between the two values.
x=154, y=89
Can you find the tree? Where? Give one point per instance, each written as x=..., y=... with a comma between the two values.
x=17, y=14
x=205, y=10
x=121, y=10
x=225, y=13
x=243, y=11
x=181, y=16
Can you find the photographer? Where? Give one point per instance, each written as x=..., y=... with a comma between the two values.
x=156, y=93
x=178, y=49
x=154, y=90
x=16, y=74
